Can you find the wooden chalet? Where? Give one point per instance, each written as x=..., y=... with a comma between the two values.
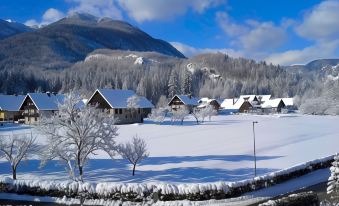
x=36, y=105
x=183, y=102
x=115, y=102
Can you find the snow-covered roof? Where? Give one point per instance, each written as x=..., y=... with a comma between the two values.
x=10, y=102
x=264, y=98
x=228, y=103
x=288, y=101
x=118, y=98
x=271, y=103
x=45, y=101
x=188, y=100
x=206, y=100
x=249, y=97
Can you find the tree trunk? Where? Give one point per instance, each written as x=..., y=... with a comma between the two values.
x=80, y=170
x=14, y=173
x=133, y=173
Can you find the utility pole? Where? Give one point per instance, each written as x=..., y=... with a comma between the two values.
x=255, y=157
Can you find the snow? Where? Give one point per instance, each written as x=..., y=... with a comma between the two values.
x=118, y=98
x=310, y=179
x=11, y=102
x=217, y=150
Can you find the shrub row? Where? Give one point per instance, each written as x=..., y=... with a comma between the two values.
x=165, y=192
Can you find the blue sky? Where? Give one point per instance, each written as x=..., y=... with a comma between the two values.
x=281, y=31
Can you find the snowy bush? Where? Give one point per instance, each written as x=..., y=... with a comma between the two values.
x=300, y=199
x=163, y=191
x=333, y=181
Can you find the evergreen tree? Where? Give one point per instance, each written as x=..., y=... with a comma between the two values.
x=172, y=84
x=187, y=83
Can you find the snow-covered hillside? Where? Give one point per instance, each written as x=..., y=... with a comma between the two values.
x=217, y=150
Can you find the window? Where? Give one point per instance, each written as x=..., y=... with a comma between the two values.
x=116, y=111
x=36, y=119
x=139, y=110
x=120, y=111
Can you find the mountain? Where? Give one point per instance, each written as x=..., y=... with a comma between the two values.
x=321, y=63
x=10, y=28
x=315, y=65
x=61, y=44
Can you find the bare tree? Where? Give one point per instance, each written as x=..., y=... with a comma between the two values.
x=133, y=102
x=17, y=147
x=74, y=133
x=158, y=114
x=180, y=115
x=196, y=113
x=134, y=151
x=208, y=111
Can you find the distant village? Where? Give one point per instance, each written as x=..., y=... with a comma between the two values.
x=28, y=109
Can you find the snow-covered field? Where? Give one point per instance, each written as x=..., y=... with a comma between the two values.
x=217, y=150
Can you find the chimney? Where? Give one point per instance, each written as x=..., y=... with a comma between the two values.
x=48, y=94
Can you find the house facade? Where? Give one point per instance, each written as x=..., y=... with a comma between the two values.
x=183, y=102
x=36, y=105
x=116, y=103
x=10, y=107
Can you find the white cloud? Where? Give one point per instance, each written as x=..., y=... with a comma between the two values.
x=253, y=35
x=99, y=8
x=190, y=51
x=322, y=22
x=51, y=15
x=303, y=56
x=146, y=10
x=31, y=22
x=231, y=28
x=264, y=36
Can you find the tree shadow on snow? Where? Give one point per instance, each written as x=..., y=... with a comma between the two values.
x=120, y=170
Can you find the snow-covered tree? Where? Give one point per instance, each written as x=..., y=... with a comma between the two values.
x=201, y=113
x=17, y=147
x=333, y=181
x=172, y=84
x=162, y=102
x=134, y=151
x=158, y=114
x=187, y=83
x=207, y=111
x=133, y=102
x=74, y=133
x=180, y=115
